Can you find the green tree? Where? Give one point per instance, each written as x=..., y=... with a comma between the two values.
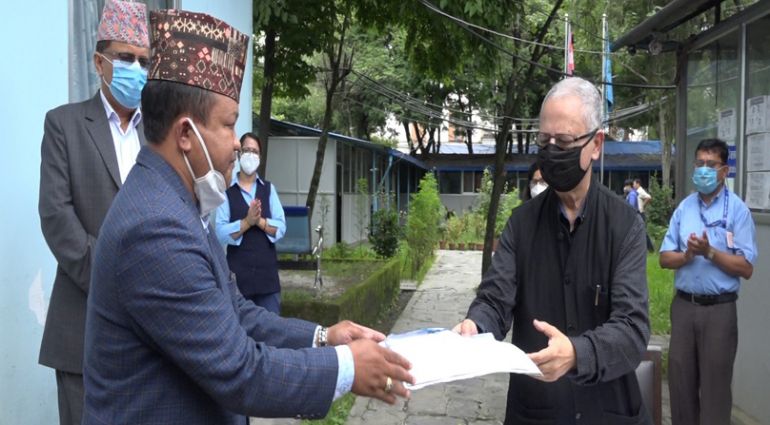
x=337, y=65
x=288, y=32
x=423, y=222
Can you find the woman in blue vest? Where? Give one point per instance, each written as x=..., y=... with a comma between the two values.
x=249, y=223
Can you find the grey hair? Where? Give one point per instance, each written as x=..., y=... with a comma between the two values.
x=589, y=97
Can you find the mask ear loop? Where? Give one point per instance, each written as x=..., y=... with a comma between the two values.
x=200, y=140
x=111, y=63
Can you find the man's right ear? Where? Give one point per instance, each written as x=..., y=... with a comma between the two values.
x=98, y=61
x=183, y=134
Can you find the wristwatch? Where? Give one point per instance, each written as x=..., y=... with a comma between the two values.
x=710, y=254
x=321, y=340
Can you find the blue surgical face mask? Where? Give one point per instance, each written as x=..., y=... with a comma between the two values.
x=705, y=180
x=128, y=80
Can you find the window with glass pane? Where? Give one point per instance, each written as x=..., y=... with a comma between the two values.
x=713, y=90
x=449, y=182
x=84, y=22
x=468, y=182
x=757, y=154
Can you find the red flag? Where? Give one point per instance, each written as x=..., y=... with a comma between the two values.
x=571, y=54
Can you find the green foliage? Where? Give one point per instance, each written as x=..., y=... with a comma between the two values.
x=363, y=303
x=661, y=206
x=343, y=251
x=423, y=221
x=408, y=269
x=302, y=28
x=508, y=201
x=385, y=232
x=660, y=283
x=454, y=228
x=656, y=233
x=338, y=413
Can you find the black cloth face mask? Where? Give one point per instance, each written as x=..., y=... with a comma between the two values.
x=561, y=167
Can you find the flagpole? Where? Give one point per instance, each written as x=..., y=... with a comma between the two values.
x=604, y=91
x=566, y=43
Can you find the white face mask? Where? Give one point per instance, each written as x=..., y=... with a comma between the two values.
x=249, y=162
x=210, y=188
x=538, y=188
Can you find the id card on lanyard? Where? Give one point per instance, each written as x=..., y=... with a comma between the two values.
x=720, y=223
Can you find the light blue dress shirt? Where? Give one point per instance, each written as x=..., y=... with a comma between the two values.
x=225, y=228
x=726, y=214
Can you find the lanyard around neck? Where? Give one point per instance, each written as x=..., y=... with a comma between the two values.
x=723, y=221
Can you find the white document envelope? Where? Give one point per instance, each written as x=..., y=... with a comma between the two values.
x=440, y=355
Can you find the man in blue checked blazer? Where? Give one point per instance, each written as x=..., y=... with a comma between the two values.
x=169, y=338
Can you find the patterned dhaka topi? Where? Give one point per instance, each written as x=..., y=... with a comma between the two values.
x=124, y=21
x=197, y=49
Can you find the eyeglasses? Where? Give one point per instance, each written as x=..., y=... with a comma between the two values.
x=248, y=150
x=708, y=163
x=564, y=141
x=144, y=61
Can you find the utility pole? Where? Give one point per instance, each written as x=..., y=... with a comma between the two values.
x=566, y=44
x=605, y=126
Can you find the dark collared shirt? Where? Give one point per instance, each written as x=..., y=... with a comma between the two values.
x=590, y=283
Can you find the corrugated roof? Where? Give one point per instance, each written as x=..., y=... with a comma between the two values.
x=290, y=129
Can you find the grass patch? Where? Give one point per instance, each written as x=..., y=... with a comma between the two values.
x=660, y=283
x=338, y=413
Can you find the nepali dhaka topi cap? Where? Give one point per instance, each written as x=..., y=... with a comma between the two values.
x=124, y=21
x=197, y=49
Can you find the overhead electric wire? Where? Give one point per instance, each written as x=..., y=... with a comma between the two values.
x=441, y=107
x=553, y=70
x=508, y=36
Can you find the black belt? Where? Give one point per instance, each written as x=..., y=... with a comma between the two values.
x=707, y=299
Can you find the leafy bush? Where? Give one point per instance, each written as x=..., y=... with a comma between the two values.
x=423, y=222
x=454, y=228
x=661, y=206
x=656, y=233
x=508, y=201
x=343, y=251
x=385, y=232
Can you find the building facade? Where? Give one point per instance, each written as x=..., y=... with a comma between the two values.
x=723, y=92
x=52, y=42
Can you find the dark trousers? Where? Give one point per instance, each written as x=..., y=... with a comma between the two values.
x=650, y=246
x=270, y=302
x=71, y=397
x=700, y=362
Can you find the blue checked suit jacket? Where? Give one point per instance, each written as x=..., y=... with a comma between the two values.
x=170, y=339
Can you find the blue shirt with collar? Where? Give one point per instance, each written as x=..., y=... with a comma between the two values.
x=701, y=276
x=225, y=228
x=633, y=199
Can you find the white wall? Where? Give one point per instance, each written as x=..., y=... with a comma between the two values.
x=290, y=167
x=751, y=373
x=352, y=218
x=36, y=83
x=458, y=203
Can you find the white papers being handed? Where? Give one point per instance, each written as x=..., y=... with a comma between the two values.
x=440, y=355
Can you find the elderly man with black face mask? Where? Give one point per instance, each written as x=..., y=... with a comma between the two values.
x=569, y=275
